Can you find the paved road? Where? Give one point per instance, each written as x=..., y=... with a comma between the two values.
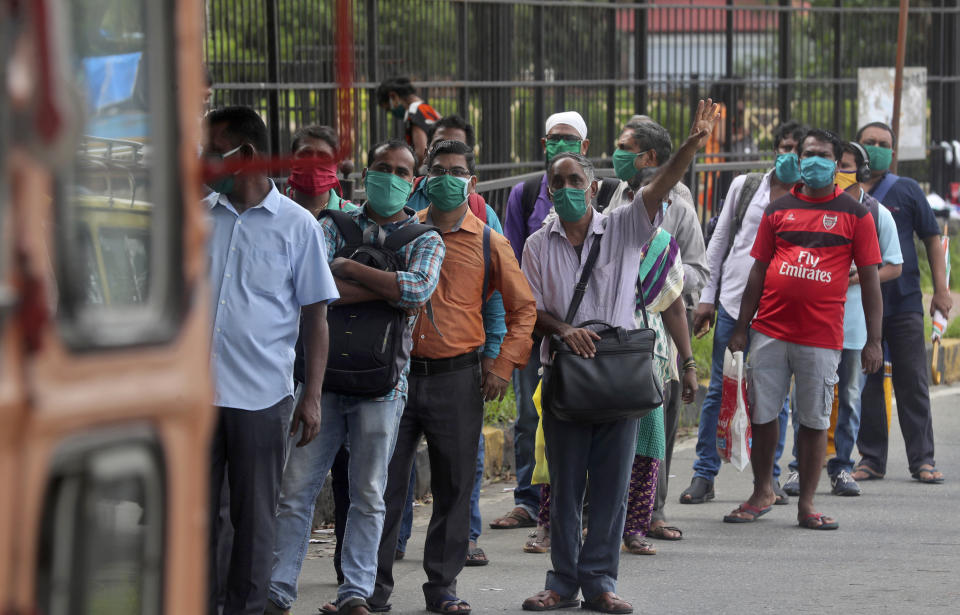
x=897, y=549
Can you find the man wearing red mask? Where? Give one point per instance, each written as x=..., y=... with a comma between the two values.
x=314, y=184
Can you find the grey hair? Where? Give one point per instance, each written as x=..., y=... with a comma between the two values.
x=580, y=159
x=651, y=135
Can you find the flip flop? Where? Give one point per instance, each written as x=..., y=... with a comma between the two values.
x=930, y=480
x=864, y=472
x=753, y=511
x=815, y=521
x=537, y=601
x=448, y=604
x=476, y=557
x=658, y=532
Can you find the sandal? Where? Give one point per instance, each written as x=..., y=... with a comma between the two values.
x=864, y=472
x=607, y=602
x=548, y=600
x=518, y=517
x=753, y=513
x=350, y=606
x=476, y=557
x=638, y=546
x=818, y=521
x=448, y=604
x=539, y=541
x=660, y=532
x=699, y=491
x=927, y=474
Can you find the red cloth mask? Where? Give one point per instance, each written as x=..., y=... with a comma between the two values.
x=314, y=177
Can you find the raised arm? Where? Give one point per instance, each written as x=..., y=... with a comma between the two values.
x=672, y=172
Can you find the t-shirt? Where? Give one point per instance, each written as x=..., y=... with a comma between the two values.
x=912, y=213
x=854, y=321
x=809, y=244
x=421, y=115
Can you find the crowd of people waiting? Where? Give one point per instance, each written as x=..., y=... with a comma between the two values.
x=343, y=332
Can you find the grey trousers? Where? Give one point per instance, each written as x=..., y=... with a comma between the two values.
x=248, y=447
x=605, y=451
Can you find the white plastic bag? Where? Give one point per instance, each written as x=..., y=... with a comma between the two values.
x=734, y=435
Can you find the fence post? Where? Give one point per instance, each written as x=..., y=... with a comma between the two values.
x=463, y=96
x=783, y=72
x=611, y=133
x=373, y=76
x=640, y=58
x=837, y=69
x=273, y=76
x=539, y=94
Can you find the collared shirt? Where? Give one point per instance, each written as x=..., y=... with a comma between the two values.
x=338, y=203
x=731, y=274
x=422, y=258
x=515, y=228
x=457, y=300
x=264, y=265
x=552, y=267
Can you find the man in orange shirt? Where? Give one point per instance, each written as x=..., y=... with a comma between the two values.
x=449, y=381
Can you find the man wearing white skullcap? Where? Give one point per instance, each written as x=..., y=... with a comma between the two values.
x=526, y=209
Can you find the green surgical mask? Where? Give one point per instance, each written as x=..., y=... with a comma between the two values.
x=555, y=148
x=386, y=193
x=447, y=192
x=225, y=184
x=880, y=157
x=399, y=111
x=570, y=203
x=623, y=164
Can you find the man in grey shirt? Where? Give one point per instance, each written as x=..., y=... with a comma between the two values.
x=553, y=259
x=642, y=147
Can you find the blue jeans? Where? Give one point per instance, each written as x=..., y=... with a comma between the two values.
x=848, y=411
x=406, y=521
x=707, y=464
x=525, y=381
x=475, y=520
x=369, y=429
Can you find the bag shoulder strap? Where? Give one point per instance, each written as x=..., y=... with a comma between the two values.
x=349, y=229
x=486, y=267
x=608, y=186
x=884, y=186
x=405, y=235
x=581, y=288
x=747, y=191
x=478, y=206
x=528, y=198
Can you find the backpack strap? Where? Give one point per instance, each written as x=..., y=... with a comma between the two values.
x=884, y=186
x=528, y=198
x=486, y=267
x=401, y=237
x=581, y=288
x=608, y=186
x=478, y=206
x=748, y=190
x=349, y=229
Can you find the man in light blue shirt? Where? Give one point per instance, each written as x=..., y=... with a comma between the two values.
x=267, y=265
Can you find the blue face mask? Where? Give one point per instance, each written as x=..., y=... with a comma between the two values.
x=788, y=168
x=817, y=172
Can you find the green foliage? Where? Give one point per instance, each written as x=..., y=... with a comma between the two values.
x=703, y=353
x=501, y=412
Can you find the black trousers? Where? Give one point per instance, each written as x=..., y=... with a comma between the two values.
x=448, y=409
x=671, y=422
x=340, y=483
x=248, y=446
x=903, y=334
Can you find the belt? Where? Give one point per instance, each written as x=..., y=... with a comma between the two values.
x=428, y=367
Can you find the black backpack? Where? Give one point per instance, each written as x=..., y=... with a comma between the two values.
x=369, y=342
x=531, y=189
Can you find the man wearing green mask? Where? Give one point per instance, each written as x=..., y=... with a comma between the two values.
x=554, y=257
x=367, y=424
x=398, y=97
x=902, y=320
x=448, y=379
x=527, y=207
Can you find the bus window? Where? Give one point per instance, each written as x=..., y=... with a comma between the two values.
x=101, y=547
x=119, y=204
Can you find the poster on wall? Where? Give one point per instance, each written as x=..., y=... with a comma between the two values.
x=875, y=104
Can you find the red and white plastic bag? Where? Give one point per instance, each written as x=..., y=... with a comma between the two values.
x=734, y=435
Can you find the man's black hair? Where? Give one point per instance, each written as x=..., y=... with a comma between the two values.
x=400, y=86
x=243, y=125
x=652, y=136
x=386, y=146
x=323, y=133
x=893, y=137
x=825, y=136
x=453, y=147
x=454, y=122
x=789, y=129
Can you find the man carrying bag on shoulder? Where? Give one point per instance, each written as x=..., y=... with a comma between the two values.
x=553, y=259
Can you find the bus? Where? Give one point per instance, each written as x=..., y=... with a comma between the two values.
x=105, y=393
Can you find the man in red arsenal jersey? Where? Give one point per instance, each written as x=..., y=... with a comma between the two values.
x=805, y=244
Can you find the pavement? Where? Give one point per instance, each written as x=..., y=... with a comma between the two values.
x=896, y=550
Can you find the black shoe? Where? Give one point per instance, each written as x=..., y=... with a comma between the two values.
x=782, y=497
x=843, y=484
x=792, y=486
x=699, y=491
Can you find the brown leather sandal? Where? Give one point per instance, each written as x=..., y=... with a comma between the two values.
x=516, y=518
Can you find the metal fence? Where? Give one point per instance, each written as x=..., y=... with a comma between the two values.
x=507, y=65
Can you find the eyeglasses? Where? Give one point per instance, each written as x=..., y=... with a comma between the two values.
x=436, y=171
x=567, y=138
x=223, y=156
